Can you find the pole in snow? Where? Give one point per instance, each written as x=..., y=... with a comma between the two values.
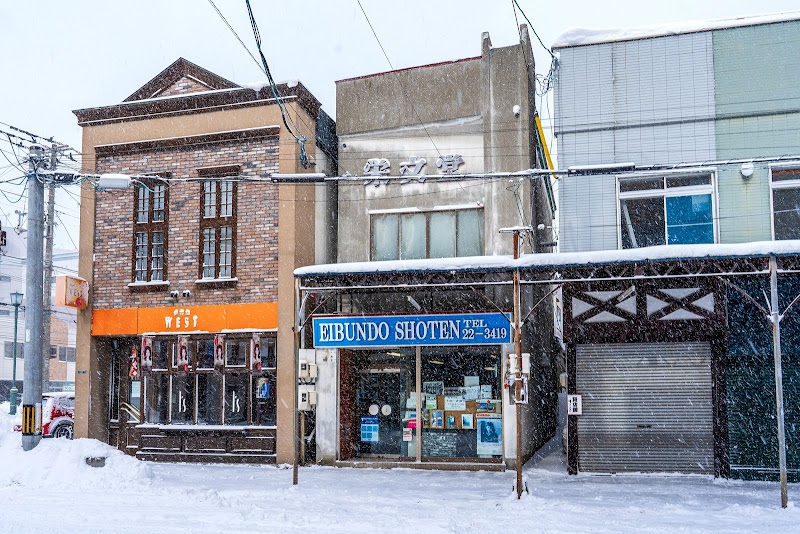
x=516, y=231
x=776, y=345
x=32, y=391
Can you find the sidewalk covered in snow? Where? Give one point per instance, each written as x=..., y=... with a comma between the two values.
x=52, y=489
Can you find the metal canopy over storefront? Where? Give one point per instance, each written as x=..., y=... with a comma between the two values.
x=611, y=275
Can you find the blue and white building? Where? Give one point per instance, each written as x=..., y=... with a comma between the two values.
x=680, y=135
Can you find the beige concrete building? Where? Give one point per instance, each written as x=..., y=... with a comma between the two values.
x=186, y=350
x=435, y=163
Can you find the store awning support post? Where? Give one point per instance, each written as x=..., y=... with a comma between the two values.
x=518, y=378
x=776, y=345
x=296, y=419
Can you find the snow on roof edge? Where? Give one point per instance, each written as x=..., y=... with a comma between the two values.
x=586, y=36
x=558, y=259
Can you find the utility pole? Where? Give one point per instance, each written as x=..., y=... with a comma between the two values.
x=48, y=271
x=518, y=379
x=32, y=392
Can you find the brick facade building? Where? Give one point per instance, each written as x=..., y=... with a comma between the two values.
x=187, y=345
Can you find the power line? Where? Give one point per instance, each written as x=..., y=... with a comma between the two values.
x=533, y=29
x=58, y=216
x=301, y=139
x=236, y=35
x=399, y=80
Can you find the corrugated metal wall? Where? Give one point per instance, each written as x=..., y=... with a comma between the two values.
x=647, y=407
x=646, y=101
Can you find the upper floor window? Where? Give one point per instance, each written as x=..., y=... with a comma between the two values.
x=666, y=210
x=218, y=229
x=785, y=202
x=435, y=234
x=150, y=228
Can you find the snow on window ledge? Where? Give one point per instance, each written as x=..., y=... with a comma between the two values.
x=216, y=282
x=156, y=285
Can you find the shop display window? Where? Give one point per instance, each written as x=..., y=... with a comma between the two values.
x=157, y=392
x=460, y=403
x=235, y=399
x=269, y=354
x=236, y=353
x=161, y=353
x=462, y=412
x=263, y=400
x=209, y=398
x=205, y=354
x=182, y=393
x=200, y=393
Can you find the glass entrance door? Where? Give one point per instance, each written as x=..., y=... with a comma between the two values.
x=382, y=387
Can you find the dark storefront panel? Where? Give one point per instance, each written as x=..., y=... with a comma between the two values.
x=750, y=380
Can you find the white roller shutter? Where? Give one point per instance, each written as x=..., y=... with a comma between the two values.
x=646, y=408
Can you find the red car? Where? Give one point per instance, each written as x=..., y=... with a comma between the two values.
x=58, y=415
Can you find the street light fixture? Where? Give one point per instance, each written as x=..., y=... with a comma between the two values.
x=16, y=300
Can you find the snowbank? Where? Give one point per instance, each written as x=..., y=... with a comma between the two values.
x=60, y=463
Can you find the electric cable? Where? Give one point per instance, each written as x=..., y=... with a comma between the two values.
x=301, y=139
x=399, y=80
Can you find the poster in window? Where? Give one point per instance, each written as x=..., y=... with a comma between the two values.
x=490, y=434
x=255, y=352
x=263, y=388
x=183, y=353
x=437, y=419
x=466, y=421
x=133, y=365
x=147, y=353
x=219, y=351
x=370, y=429
x=433, y=388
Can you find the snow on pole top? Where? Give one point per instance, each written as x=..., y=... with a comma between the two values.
x=586, y=36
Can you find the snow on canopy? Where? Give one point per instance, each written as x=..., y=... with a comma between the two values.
x=585, y=36
x=559, y=260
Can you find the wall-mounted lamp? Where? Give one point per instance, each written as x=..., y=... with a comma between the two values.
x=174, y=294
x=747, y=170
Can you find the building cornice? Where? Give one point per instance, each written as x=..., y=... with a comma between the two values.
x=193, y=103
x=117, y=149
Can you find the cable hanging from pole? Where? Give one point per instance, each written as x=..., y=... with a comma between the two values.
x=301, y=139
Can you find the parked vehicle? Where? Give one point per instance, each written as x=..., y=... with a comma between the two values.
x=58, y=415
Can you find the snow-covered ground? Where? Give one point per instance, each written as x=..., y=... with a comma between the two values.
x=51, y=488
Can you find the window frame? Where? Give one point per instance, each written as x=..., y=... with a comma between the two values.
x=217, y=223
x=150, y=227
x=428, y=214
x=669, y=192
x=781, y=184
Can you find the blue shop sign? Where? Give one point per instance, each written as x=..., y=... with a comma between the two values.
x=412, y=330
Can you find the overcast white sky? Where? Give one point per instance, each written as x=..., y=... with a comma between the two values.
x=59, y=56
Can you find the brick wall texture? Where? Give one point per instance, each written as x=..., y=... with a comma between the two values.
x=256, y=249
x=183, y=86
